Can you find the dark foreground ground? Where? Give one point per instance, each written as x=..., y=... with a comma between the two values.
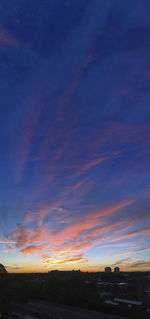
x=50, y=310
x=55, y=295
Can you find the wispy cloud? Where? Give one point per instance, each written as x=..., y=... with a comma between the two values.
x=127, y=263
x=9, y=40
x=32, y=249
x=44, y=211
x=7, y=242
x=139, y=264
x=24, y=236
x=140, y=232
x=28, y=134
x=58, y=259
x=70, y=238
x=111, y=209
x=130, y=252
x=121, y=261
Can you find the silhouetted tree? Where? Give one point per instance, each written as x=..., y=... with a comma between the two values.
x=4, y=292
x=3, y=271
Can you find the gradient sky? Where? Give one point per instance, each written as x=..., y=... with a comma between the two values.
x=74, y=134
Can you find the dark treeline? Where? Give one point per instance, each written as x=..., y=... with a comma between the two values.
x=73, y=288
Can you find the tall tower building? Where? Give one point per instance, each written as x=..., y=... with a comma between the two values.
x=107, y=269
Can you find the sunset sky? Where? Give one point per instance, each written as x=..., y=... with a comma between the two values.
x=74, y=134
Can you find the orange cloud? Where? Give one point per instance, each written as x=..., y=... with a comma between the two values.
x=120, y=254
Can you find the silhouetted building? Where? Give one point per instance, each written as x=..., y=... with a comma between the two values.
x=107, y=269
x=117, y=269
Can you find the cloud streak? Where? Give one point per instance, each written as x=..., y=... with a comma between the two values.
x=7, y=242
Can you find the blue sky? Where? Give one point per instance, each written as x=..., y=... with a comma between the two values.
x=74, y=134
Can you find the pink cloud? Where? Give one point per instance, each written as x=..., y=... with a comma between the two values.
x=20, y=235
x=111, y=209
x=79, y=169
x=128, y=134
x=32, y=249
x=69, y=240
x=24, y=236
x=8, y=39
x=79, y=227
x=93, y=163
x=77, y=237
